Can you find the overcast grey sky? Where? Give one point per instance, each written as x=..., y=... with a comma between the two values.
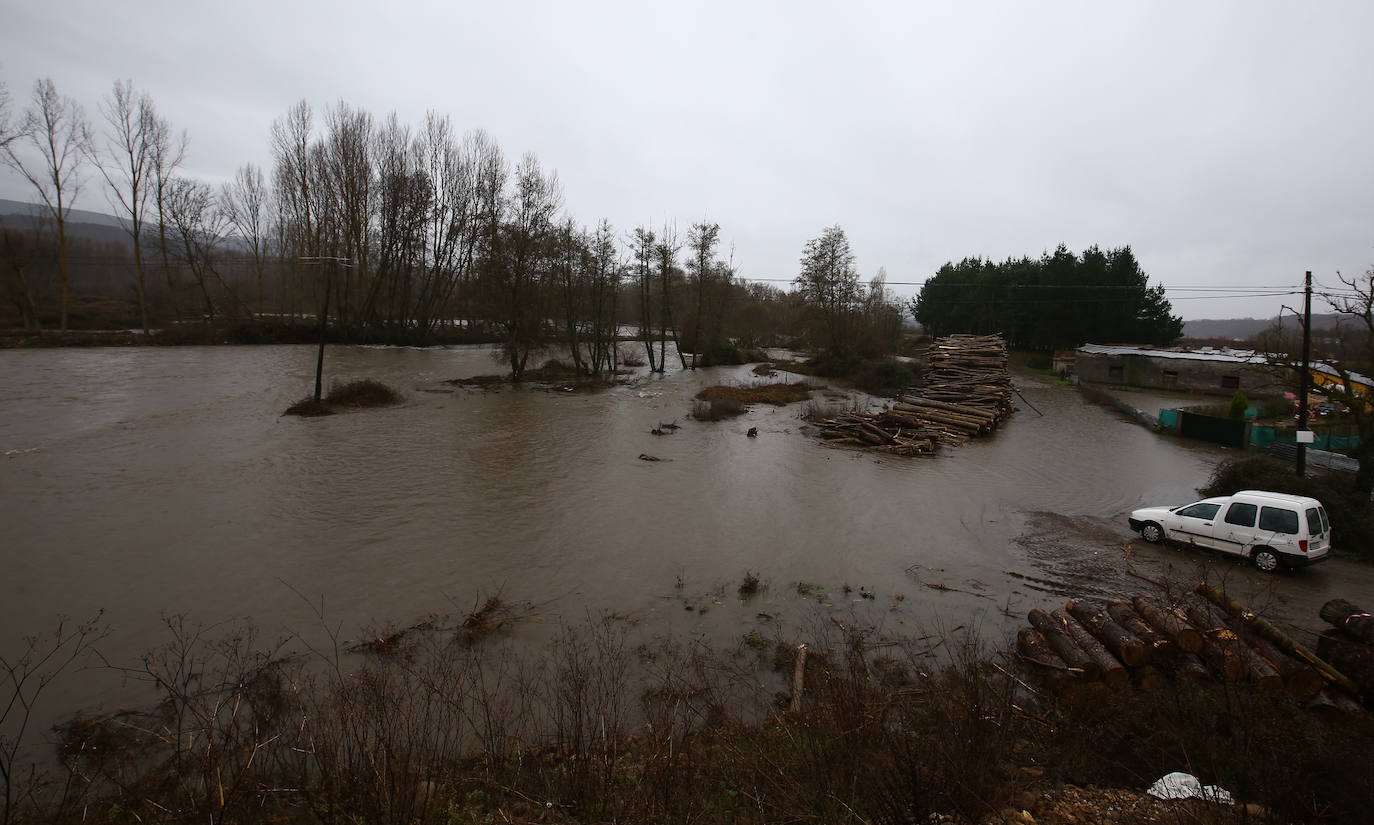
x=1228, y=143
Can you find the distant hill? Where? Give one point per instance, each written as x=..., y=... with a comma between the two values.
x=19, y=209
x=1240, y=329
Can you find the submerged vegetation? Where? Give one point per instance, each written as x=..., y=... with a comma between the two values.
x=352, y=395
x=719, y=402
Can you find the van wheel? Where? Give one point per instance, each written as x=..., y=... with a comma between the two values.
x=1152, y=532
x=1266, y=560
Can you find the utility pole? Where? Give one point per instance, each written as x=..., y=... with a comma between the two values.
x=334, y=264
x=1306, y=374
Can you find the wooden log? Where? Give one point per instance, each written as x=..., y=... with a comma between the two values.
x=1300, y=680
x=1063, y=646
x=1034, y=648
x=1265, y=628
x=1183, y=666
x=1121, y=642
x=1351, y=657
x=1358, y=623
x=1236, y=660
x=1170, y=624
x=1113, y=673
x=1125, y=616
x=1335, y=703
x=1149, y=678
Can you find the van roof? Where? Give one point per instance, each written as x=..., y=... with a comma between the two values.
x=1303, y=501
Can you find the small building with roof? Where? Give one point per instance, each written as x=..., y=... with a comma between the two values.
x=1209, y=370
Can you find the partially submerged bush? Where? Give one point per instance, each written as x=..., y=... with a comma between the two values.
x=363, y=393
x=882, y=376
x=309, y=408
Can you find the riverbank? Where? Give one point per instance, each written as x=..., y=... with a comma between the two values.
x=845, y=721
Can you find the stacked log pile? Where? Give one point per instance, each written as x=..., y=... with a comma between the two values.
x=1145, y=641
x=967, y=393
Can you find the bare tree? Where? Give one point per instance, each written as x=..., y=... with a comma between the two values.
x=126, y=161
x=199, y=231
x=243, y=202
x=665, y=255
x=55, y=129
x=168, y=152
x=6, y=128
x=642, y=244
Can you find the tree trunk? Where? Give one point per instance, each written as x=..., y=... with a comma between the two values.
x=1121, y=642
x=1125, y=616
x=1266, y=629
x=1114, y=674
x=1063, y=646
x=1166, y=622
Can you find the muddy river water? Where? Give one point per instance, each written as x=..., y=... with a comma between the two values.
x=163, y=480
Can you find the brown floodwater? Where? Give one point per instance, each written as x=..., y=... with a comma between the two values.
x=155, y=481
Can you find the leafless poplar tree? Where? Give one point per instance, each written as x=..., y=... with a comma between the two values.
x=665, y=256
x=642, y=243
x=168, y=152
x=55, y=130
x=244, y=203
x=126, y=161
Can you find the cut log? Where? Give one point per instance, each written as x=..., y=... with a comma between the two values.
x=1149, y=678
x=1169, y=623
x=1229, y=654
x=1034, y=649
x=1120, y=641
x=1125, y=616
x=1265, y=628
x=1351, y=657
x=1113, y=673
x=1300, y=680
x=1358, y=623
x=1183, y=666
x=1063, y=646
x=1335, y=703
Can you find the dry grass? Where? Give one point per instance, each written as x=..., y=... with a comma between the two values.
x=776, y=394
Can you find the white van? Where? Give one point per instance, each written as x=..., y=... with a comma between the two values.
x=1273, y=530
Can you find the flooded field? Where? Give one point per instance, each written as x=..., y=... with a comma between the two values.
x=160, y=481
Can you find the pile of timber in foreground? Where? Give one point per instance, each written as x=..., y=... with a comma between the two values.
x=1145, y=642
x=967, y=393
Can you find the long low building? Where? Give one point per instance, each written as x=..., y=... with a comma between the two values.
x=1207, y=370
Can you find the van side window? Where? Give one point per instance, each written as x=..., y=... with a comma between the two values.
x=1314, y=522
x=1201, y=510
x=1278, y=520
x=1242, y=514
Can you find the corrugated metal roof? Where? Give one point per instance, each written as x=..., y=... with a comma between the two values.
x=1233, y=356
x=1249, y=357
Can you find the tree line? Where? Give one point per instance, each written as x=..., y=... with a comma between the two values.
x=1057, y=301
x=413, y=232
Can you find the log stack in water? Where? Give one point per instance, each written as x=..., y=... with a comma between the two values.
x=967, y=393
